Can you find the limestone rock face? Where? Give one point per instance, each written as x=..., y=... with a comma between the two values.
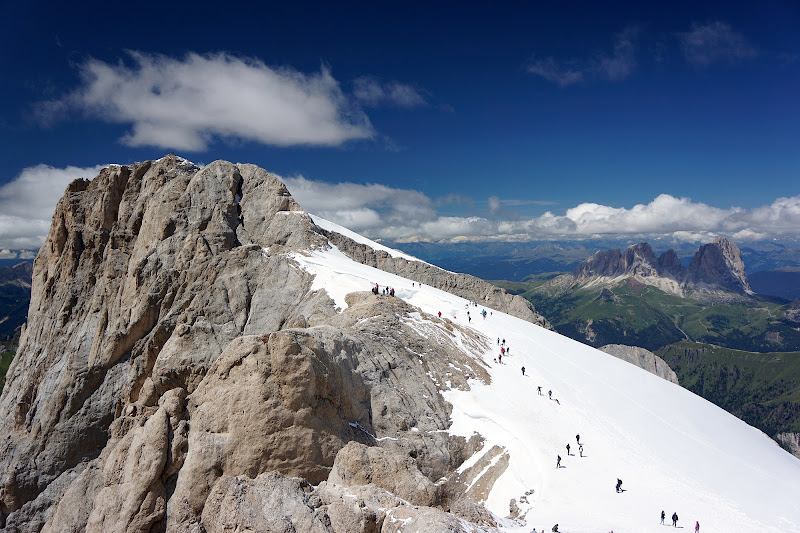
x=719, y=263
x=643, y=359
x=716, y=267
x=357, y=464
x=178, y=373
x=791, y=441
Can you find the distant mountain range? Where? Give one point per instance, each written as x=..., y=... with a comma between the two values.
x=716, y=268
x=15, y=295
x=772, y=267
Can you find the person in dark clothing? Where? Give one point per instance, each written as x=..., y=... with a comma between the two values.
x=550, y=394
x=539, y=390
x=578, y=439
x=662, y=517
x=555, y=529
x=580, y=449
x=558, y=462
x=567, y=448
x=619, y=485
x=523, y=370
x=675, y=519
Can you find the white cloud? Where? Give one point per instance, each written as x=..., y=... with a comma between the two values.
x=28, y=201
x=185, y=104
x=373, y=93
x=716, y=41
x=613, y=67
x=378, y=211
x=562, y=75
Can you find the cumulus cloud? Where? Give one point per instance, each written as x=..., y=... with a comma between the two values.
x=184, y=104
x=373, y=93
x=716, y=41
x=28, y=201
x=616, y=66
x=382, y=212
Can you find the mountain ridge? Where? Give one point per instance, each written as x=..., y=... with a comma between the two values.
x=716, y=267
x=150, y=274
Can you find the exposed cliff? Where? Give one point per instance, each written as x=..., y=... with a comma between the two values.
x=643, y=359
x=716, y=267
x=176, y=358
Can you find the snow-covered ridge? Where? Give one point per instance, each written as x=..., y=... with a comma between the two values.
x=673, y=450
x=332, y=226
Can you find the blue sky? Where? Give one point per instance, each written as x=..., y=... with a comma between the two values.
x=510, y=121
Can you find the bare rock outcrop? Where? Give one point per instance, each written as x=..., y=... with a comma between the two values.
x=642, y=358
x=357, y=464
x=176, y=356
x=717, y=267
x=791, y=441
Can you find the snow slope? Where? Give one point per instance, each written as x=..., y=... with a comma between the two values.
x=673, y=450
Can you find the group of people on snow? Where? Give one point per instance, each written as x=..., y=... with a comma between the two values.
x=386, y=290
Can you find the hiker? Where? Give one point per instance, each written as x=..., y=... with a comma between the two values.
x=539, y=390
x=580, y=449
x=469, y=318
x=662, y=517
x=498, y=341
x=504, y=342
x=550, y=394
x=555, y=529
x=523, y=370
x=508, y=349
x=567, y=449
x=440, y=314
x=502, y=350
x=675, y=519
x=558, y=462
x=578, y=439
x=500, y=358
x=619, y=485
x=697, y=527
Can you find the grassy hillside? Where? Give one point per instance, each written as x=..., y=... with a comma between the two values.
x=641, y=315
x=714, y=349
x=763, y=389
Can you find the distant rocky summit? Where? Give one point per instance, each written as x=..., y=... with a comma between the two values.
x=716, y=267
x=179, y=373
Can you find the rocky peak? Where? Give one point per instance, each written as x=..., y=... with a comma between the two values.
x=716, y=266
x=174, y=346
x=719, y=264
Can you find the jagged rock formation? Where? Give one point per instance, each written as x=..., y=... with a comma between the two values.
x=643, y=359
x=716, y=267
x=179, y=374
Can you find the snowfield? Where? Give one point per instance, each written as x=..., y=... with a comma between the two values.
x=673, y=450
